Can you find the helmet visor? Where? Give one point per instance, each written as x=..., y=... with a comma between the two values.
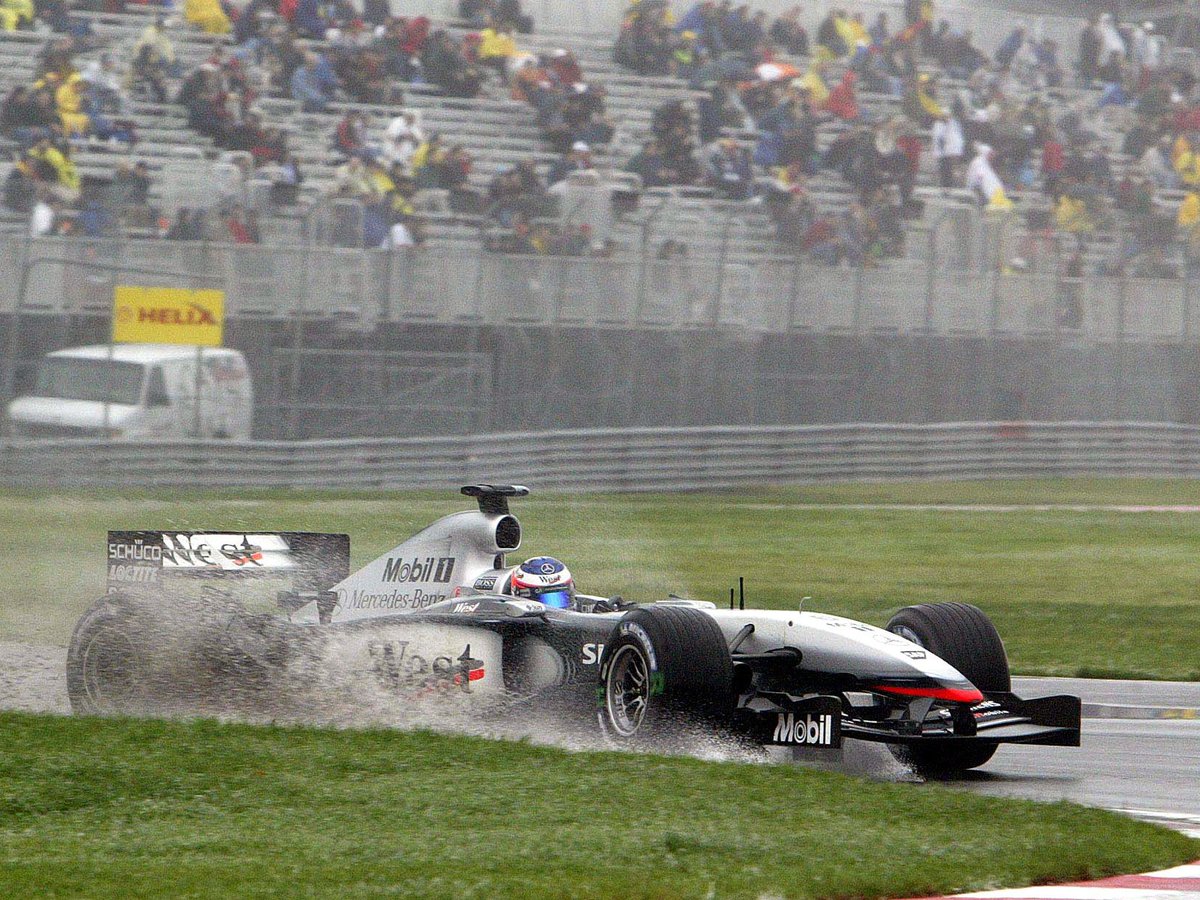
x=558, y=598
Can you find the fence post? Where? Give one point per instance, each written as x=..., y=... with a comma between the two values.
x=994, y=323
x=720, y=290
x=14, y=324
x=644, y=264
x=931, y=272
x=1122, y=284
x=859, y=278
x=385, y=306
x=297, y=348
x=1186, y=299
x=794, y=296
x=480, y=274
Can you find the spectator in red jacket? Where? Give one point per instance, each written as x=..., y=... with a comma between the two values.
x=351, y=136
x=1054, y=160
x=842, y=102
x=243, y=229
x=565, y=67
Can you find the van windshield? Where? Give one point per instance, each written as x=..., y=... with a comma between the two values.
x=99, y=380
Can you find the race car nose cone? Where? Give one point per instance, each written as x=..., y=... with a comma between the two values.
x=966, y=694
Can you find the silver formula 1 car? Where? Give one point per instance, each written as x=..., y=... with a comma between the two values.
x=433, y=618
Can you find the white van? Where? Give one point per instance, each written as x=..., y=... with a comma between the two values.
x=137, y=392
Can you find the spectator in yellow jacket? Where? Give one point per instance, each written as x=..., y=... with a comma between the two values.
x=857, y=30
x=496, y=41
x=154, y=44
x=813, y=81
x=378, y=177
x=67, y=176
x=1189, y=212
x=207, y=15
x=1073, y=215
x=1188, y=220
x=427, y=160
x=1187, y=163
x=496, y=47
x=845, y=29
x=69, y=99
x=15, y=14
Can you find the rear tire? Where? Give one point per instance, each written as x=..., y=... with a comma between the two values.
x=965, y=637
x=666, y=672
x=105, y=666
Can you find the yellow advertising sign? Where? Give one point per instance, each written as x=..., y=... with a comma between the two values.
x=159, y=315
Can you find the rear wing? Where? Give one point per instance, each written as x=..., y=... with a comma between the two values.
x=310, y=562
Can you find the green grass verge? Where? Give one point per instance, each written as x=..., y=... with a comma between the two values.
x=111, y=808
x=1072, y=592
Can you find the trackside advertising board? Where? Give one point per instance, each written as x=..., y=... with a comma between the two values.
x=160, y=315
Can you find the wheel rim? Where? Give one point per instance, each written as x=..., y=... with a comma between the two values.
x=908, y=634
x=109, y=671
x=627, y=691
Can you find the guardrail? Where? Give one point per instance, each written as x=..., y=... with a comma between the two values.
x=658, y=459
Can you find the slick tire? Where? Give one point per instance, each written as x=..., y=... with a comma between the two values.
x=666, y=674
x=965, y=637
x=106, y=672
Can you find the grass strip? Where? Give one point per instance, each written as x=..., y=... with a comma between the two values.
x=140, y=808
x=1092, y=592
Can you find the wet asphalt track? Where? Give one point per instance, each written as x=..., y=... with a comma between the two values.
x=1142, y=765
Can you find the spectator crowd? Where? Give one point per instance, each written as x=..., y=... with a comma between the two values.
x=785, y=102
x=1021, y=131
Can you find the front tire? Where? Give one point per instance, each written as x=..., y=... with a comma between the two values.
x=666, y=671
x=965, y=637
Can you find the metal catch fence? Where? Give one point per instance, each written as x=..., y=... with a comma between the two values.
x=359, y=289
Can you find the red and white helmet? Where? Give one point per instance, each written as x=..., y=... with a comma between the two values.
x=544, y=579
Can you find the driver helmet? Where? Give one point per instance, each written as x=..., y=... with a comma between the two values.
x=544, y=579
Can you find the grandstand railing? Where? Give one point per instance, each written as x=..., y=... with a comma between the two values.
x=625, y=460
x=766, y=294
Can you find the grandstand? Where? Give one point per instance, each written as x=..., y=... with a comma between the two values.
x=497, y=132
x=696, y=275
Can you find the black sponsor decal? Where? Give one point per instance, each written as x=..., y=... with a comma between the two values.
x=180, y=550
x=486, y=583
x=438, y=570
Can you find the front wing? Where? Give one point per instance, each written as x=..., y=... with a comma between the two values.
x=823, y=721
